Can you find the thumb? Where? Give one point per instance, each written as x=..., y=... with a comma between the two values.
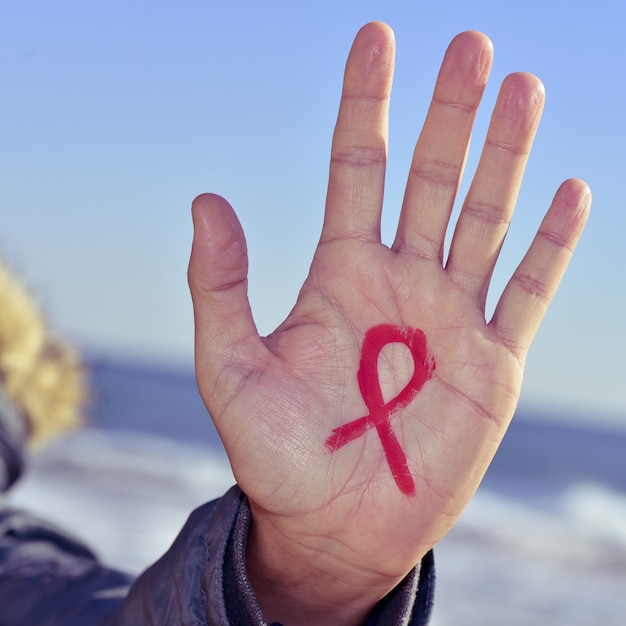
x=227, y=341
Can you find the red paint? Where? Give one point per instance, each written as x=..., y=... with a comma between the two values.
x=379, y=415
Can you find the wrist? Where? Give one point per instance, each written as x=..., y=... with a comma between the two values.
x=301, y=579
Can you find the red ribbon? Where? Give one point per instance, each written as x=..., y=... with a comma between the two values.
x=380, y=412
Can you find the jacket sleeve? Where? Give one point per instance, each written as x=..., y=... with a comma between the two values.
x=203, y=580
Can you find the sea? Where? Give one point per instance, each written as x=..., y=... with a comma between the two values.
x=543, y=541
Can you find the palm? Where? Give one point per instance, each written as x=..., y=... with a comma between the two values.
x=310, y=387
x=276, y=401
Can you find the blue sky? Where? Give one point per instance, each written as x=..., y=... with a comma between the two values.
x=116, y=114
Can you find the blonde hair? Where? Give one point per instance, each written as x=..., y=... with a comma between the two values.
x=39, y=372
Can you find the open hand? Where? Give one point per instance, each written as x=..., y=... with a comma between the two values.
x=338, y=523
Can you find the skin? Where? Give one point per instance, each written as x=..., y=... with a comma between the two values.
x=332, y=533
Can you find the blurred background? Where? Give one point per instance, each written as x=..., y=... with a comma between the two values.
x=114, y=115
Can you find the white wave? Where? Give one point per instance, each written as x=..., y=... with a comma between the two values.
x=598, y=509
x=560, y=561
x=585, y=525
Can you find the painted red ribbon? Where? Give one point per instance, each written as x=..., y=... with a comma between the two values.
x=380, y=412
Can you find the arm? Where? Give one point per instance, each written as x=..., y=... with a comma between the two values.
x=362, y=426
